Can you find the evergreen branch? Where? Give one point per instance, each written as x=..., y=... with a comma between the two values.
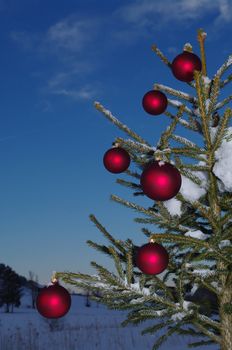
x=100, y=248
x=223, y=102
x=117, y=261
x=136, y=319
x=224, y=67
x=226, y=201
x=178, y=238
x=161, y=55
x=108, y=276
x=226, y=218
x=163, y=211
x=208, y=333
x=183, y=122
x=209, y=321
x=142, y=281
x=62, y=275
x=121, y=126
x=200, y=343
x=163, y=286
x=105, y=233
x=195, y=167
x=215, y=90
x=135, y=206
x=90, y=281
x=156, y=327
x=186, y=240
x=226, y=81
x=145, y=221
x=201, y=35
x=196, y=125
x=164, y=59
x=174, y=92
x=187, y=153
x=189, y=331
x=207, y=285
x=221, y=129
x=178, y=104
x=187, y=143
x=201, y=103
x=129, y=266
x=136, y=146
x=128, y=184
x=180, y=286
x=163, y=142
x=191, y=177
x=150, y=313
x=206, y=213
x=168, y=333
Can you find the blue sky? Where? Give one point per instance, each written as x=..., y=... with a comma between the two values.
x=57, y=58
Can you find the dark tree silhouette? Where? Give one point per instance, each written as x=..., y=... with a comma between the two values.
x=10, y=288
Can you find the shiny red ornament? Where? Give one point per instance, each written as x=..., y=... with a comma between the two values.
x=184, y=65
x=152, y=258
x=160, y=181
x=53, y=301
x=116, y=160
x=154, y=102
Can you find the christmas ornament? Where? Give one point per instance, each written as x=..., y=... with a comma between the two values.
x=152, y=258
x=116, y=160
x=160, y=181
x=53, y=301
x=184, y=65
x=154, y=102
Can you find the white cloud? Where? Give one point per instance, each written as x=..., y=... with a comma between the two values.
x=78, y=42
x=152, y=13
x=72, y=34
x=225, y=12
x=84, y=93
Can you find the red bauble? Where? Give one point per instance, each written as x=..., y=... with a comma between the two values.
x=116, y=160
x=152, y=258
x=53, y=301
x=154, y=102
x=160, y=181
x=184, y=65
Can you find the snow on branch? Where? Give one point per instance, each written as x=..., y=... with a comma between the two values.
x=190, y=190
x=176, y=93
x=121, y=126
x=186, y=142
x=223, y=161
x=197, y=234
x=185, y=310
x=225, y=243
x=225, y=66
x=204, y=272
x=138, y=146
x=173, y=206
x=226, y=81
x=223, y=103
x=176, y=103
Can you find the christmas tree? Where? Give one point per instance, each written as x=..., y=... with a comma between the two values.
x=191, y=203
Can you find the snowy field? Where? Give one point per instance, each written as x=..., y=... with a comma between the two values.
x=83, y=328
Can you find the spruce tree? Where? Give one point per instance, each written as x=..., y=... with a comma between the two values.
x=197, y=231
x=10, y=288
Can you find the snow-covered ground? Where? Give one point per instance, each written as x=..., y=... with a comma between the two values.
x=83, y=328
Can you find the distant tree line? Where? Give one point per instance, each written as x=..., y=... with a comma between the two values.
x=11, y=288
